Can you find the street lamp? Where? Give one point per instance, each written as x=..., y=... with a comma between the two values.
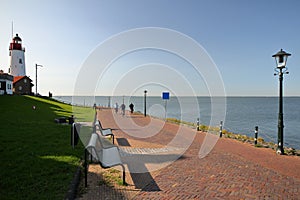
x=36, y=66
x=145, y=95
x=281, y=59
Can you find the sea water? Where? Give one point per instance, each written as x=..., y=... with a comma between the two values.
x=242, y=113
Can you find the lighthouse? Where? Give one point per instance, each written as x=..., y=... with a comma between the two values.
x=17, y=57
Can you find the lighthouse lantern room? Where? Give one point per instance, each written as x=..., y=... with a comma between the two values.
x=17, y=57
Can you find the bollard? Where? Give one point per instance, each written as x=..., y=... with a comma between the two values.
x=221, y=128
x=256, y=134
x=198, y=124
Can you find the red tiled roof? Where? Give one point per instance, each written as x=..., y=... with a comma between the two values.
x=17, y=78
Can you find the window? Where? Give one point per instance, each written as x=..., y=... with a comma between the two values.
x=20, y=88
x=25, y=80
x=20, y=60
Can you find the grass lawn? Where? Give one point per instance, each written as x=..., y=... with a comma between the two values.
x=37, y=160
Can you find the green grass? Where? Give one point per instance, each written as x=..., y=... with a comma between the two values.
x=37, y=161
x=111, y=177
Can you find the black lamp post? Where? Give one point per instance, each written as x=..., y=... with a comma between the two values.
x=281, y=59
x=145, y=103
x=36, y=66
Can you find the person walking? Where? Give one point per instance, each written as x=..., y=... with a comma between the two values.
x=123, y=109
x=131, y=107
x=116, y=107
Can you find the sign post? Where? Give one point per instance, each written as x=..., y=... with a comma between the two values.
x=166, y=97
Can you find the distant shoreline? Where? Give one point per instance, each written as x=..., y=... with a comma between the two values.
x=242, y=113
x=57, y=96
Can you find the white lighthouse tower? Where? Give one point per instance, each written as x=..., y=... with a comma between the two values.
x=17, y=57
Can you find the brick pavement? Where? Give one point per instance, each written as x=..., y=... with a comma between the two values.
x=232, y=170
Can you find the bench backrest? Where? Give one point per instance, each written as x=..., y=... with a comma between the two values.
x=94, y=146
x=99, y=125
x=103, y=151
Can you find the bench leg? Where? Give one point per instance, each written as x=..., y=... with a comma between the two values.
x=85, y=167
x=124, y=181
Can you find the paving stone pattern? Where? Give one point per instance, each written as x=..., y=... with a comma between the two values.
x=232, y=170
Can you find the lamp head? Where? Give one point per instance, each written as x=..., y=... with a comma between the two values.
x=281, y=58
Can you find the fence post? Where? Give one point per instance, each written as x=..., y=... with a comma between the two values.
x=256, y=134
x=221, y=128
x=198, y=124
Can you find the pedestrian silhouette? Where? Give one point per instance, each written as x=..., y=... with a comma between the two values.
x=131, y=107
x=123, y=109
x=116, y=107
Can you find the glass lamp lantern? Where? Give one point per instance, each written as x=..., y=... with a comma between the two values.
x=281, y=58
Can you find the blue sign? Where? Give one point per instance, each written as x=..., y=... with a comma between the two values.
x=165, y=95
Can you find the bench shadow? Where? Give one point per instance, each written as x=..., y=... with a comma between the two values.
x=137, y=163
x=137, y=166
x=140, y=180
x=145, y=182
x=123, y=142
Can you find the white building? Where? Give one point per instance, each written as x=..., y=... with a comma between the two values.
x=17, y=57
x=6, y=83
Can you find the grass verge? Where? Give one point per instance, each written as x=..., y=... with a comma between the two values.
x=37, y=161
x=240, y=137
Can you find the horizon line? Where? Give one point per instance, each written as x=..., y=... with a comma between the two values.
x=170, y=96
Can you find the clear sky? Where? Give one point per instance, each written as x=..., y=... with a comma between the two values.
x=239, y=35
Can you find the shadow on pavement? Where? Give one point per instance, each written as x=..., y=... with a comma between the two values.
x=123, y=142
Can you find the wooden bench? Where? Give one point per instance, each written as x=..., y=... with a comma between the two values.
x=104, y=132
x=106, y=153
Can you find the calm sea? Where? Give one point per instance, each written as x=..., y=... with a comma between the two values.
x=242, y=113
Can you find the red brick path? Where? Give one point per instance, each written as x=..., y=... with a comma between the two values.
x=232, y=170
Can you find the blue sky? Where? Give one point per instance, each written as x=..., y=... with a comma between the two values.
x=239, y=35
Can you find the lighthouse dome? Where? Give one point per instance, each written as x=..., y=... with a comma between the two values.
x=17, y=38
